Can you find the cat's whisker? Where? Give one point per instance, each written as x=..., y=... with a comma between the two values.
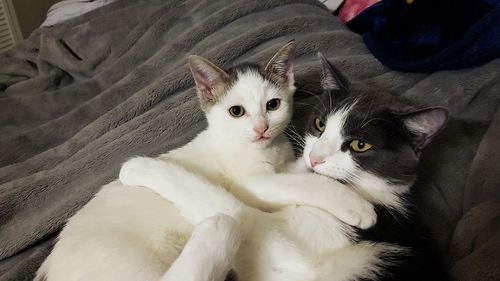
x=373, y=119
x=316, y=96
x=331, y=102
x=367, y=113
x=306, y=104
x=307, y=92
x=297, y=136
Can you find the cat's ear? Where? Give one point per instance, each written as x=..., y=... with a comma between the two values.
x=280, y=66
x=425, y=124
x=331, y=78
x=210, y=80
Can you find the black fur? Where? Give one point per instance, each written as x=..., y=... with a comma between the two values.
x=422, y=263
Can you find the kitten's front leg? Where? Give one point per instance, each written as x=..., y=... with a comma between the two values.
x=313, y=190
x=145, y=171
x=196, y=198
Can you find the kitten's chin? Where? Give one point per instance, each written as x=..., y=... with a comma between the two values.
x=263, y=139
x=263, y=142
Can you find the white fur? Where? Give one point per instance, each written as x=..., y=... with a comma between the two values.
x=252, y=92
x=213, y=258
x=131, y=233
x=360, y=260
x=338, y=164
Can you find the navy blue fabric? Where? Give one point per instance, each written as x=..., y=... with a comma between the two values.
x=431, y=35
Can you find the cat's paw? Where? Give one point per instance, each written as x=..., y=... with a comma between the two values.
x=135, y=171
x=359, y=213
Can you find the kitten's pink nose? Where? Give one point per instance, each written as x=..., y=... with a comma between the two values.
x=315, y=160
x=261, y=128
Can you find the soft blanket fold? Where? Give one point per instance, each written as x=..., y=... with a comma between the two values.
x=79, y=98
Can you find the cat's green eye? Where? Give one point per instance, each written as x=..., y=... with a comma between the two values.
x=236, y=111
x=319, y=125
x=273, y=104
x=360, y=146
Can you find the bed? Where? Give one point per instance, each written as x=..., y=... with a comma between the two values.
x=79, y=98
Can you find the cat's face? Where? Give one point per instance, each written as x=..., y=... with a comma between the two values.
x=248, y=103
x=367, y=138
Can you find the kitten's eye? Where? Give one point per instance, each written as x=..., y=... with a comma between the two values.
x=319, y=125
x=273, y=104
x=236, y=111
x=359, y=146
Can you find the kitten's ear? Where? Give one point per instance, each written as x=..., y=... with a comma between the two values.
x=331, y=78
x=425, y=124
x=280, y=66
x=210, y=80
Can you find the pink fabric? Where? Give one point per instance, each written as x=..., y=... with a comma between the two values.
x=352, y=8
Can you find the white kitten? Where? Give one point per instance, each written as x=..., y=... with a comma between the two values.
x=130, y=233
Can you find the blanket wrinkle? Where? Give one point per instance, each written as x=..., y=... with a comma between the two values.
x=66, y=125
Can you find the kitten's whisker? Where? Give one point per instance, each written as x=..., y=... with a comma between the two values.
x=295, y=139
x=294, y=130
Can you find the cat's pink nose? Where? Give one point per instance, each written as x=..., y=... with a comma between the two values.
x=315, y=160
x=261, y=128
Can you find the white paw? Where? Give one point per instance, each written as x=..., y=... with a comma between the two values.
x=135, y=170
x=359, y=214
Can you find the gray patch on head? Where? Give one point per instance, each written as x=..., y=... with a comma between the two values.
x=277, y=71
x=232, y=78
x=233, y=75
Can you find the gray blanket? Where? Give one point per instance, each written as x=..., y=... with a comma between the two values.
x=78, y=99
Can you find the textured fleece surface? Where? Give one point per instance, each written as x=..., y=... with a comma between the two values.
x=78, y=99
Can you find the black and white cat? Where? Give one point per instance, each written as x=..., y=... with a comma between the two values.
x=372, y=141
x=130, y=233
x=368, y=140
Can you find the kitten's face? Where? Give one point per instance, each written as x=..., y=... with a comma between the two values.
x=367, y=138
x=248, y=103
x=254, y=109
